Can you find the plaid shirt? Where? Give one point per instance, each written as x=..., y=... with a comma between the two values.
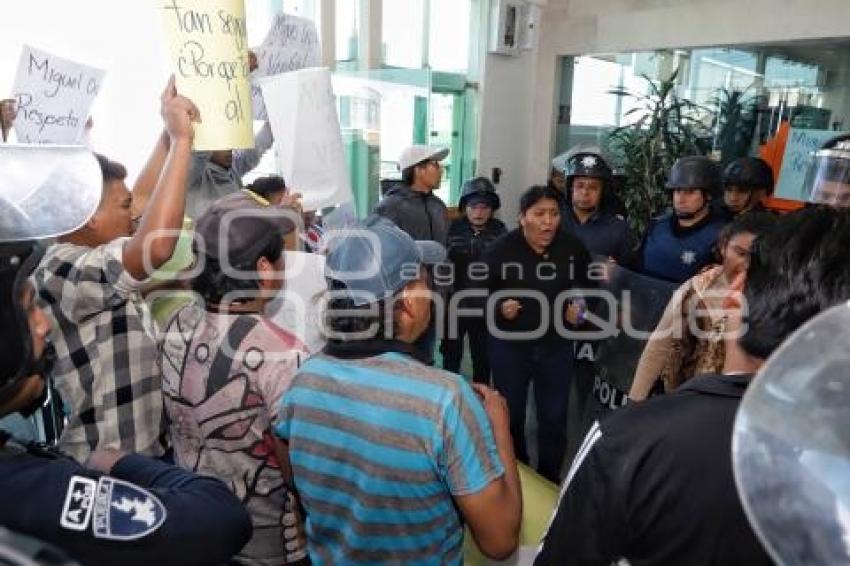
x=105, y=339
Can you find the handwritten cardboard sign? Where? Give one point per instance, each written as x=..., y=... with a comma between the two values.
x=303, y=118
x=54, y=97
x=209, y=57
x=795, y=163
x=292, y=43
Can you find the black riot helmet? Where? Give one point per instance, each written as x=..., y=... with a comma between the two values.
x=695, y=172
x=17, y=359
x=479, y=189
x=587, y=165
x=749, y=173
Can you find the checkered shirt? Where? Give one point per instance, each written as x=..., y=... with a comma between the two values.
x=106, y=344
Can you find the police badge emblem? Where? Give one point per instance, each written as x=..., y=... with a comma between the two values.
x=588, y=162
x=123, y=511
x=79, y=500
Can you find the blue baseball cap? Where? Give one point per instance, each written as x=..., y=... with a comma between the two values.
x=375, y=259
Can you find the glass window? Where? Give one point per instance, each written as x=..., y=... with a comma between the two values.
x=448, y=42
x=442, y=134
x=347, y=29
x=403, y=25
x=591, y=103
x=732, y=69
x=784, y=73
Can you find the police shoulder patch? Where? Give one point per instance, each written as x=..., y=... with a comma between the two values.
x=123, y=511
x=79, y=500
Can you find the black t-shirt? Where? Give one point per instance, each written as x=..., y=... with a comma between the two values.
x=653, y=483
x=519, y=271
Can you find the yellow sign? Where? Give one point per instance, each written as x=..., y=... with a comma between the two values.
x=209, y=57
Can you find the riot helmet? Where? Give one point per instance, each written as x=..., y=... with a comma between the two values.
x=749, y=173
x=479, y=189
x=587, y=165
x=695, y=172
x=45, y=191
x=828, y=177
x=745, y=181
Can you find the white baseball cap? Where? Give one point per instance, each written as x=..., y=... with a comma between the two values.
x=416, y=154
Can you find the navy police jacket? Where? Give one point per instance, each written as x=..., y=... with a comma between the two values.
x=604, y=234
x=676, y=254
x=467, y=246
x=143, y=512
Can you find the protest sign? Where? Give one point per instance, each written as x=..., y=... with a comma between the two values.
x=209, y=57
x=795, y=163
x=291, y=44
x=298, y=309
x=303, y=118
x=54, y=97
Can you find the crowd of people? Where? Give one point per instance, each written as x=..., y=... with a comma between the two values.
x=209, y=434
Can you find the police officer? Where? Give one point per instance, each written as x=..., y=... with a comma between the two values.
x=828, y=178
x=469, y=238
x=119, y=508
x=678, y=244
x=747, y=181
x=653, y=483
x=588, y=179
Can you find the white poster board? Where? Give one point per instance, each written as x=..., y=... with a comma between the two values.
x=298, y=309
x=291, y=44
x=304, y=121
x=54, y=97
x=796, y=160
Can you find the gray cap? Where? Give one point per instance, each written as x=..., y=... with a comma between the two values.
x=237, y=227
x=376, y=259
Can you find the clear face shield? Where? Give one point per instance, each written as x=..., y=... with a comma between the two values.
x=46, y=191
x=791, y=445
x=828, y=177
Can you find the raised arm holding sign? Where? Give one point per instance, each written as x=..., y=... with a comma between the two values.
x=54, y=97
x=209, y=56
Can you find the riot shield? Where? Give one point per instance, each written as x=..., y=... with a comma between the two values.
x=791, y=445
x=46, y=191
x=628, y=308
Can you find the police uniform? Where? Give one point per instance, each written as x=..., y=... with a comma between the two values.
x=675, y=253
x=143, y=512
x=653, y=484
x=468, y=246
x=604, y=233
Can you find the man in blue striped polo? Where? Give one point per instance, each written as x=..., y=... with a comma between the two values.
x=389, y=455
